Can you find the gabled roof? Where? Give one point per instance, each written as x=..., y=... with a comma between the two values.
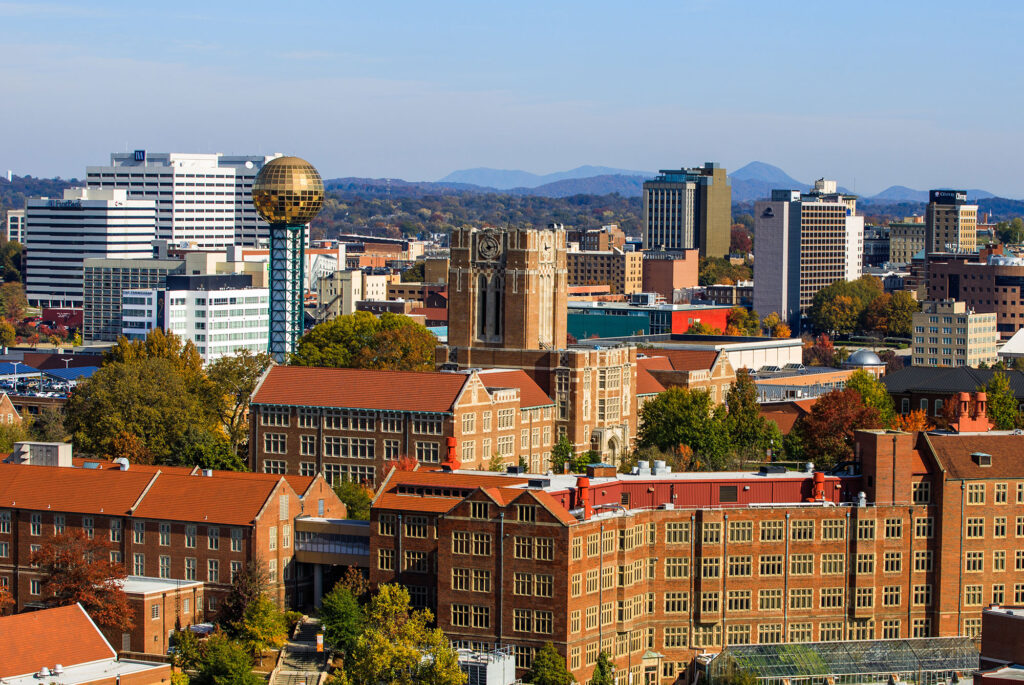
x=656, y=362
x=231, y=501
x=432, y=504
x=359, y=389
x=64, y=635
x=82, y=491
x=690, y=360
x=646, y=384
x=953, y=453
x=452, y=480
x=530, y=394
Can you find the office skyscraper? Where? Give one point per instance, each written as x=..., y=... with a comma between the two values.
x=805, y=242
x=689, y=208
x=203, y=199
x=951, y=225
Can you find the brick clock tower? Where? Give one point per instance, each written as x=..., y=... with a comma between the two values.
x=507, y=308
x=507, y=289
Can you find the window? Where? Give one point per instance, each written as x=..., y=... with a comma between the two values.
x=801, y=598
x=801, y=564
x=482, y=544
x=999, y=560
x=154, y=611
x=213, y=571
x=800, y=632
x=891, y=596
x=115, y=530
x=711, y=533
x=769, y=600
x=740, y=565
x=893, y=529
x=833, y=564
x=975, y=527
x=802, y=530
x=975, y=493
x=88, y=526
x=677, y=602
x=275, y=443
x=741, y=531
x=677, y=533
x=278, y=466
x=974, y=562
x=139, y=564
x=770, y=565
x=999, y=493
x=415, y=527
x=769, y=633
x=890, y=629
x=892, y=562
x=865, y=563
x=139, y=533
x=213, y=537
x=677, y=567
x=833, y=529
x=865, y=597
x=307, y=445
x=469, y=422
x=710, y=567
x=460, y=542
x=236, y=539
x=866, y=530
x=544, y=549
x=772, y=531
x=832, y=597
x=972, y=595
x=675, y=636
x=923, y=560
x=999, y=527
x=709, y=602
x=923, y=595
x=36, y=524
x=737, y=633
x=386, y=559
x=190, y=568
x=479, y=510
x=429, y=452
x=274, y=416
x=526, y=513
x=165, y=566
x=922, y=492
x=924, y=527
x=5, y=522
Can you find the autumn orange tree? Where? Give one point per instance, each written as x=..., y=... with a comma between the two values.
x=826, y=434
x=916, y=420
x=77, y=568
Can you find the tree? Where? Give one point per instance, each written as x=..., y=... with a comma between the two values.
x=1011, y=231
x=251, y=583
x=363, y=341
x=1002, y=408
x=205, y=449
x=7, y=334
x=127, y=445
x=893, y=361
x=11, y=253
x=826, y=434
x=561, y=453
x=11, y=433
x=6, y=600
x=151, y=398
x=12, y=301
x=840, y=307
x=497, y=463
x=77, y=568
x=398, y=647
x=48, y=426
x=769, y=322
x=900, y=313
x=874, y=394
x=739, y=240
x=415, y=273
x=876, y=316
x=750, y=434
x=262, y=627
x=225, y=663
x=821, y=352
x=838, y=315
x=781, y=331
x=916, y=420
x=355, y=498
x=356, y=582
x=187, y=649
x=342, y=618
x=604, y=670
x=680, y=416
x=701, y=328
x=549, y=668
x=740, y=321
x=235, y=378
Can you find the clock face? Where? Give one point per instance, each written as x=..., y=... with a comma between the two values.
x=488, y=247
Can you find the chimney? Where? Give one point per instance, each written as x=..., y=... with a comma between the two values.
x=452, y=460
x=583, y=493
x=966, y=422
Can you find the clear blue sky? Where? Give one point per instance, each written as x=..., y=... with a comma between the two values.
x=923, y=94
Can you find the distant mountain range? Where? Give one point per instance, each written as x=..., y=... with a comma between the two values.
x=905, y=194
x=504, y=179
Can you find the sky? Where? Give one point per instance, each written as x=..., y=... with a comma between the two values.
x=872, y=94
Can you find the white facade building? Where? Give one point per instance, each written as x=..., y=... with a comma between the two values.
x=87, y=223
x=219, y=313
x=15, y=229
x=141, y=312
x=202, y=199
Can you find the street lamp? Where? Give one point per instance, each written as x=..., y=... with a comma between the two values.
x=15, y=375
x=67, y=361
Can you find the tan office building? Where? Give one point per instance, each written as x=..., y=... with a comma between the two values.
x=906, y=239
x=947, y=333
x=951, y=223
x=622, y=271
x=688, y=208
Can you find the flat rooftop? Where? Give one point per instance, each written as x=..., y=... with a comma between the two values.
x=108, y=670
x=147, y=585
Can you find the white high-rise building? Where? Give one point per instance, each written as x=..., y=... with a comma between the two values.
x=220, y=313
x=87, y=223
x=16, y=225
x=204, y=200
x=804, y=243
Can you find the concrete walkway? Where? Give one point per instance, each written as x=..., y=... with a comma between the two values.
x=300, y=662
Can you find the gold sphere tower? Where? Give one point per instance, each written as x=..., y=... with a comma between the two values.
x=288, y=193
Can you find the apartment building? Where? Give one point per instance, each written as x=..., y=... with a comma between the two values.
x=806, y=241
x=597, y=239
x=201, y=199
x=655, y=568
x=163, y=522
x=947, y=333
x=221, y=313
x=87, y=223
x=357, y=424
x=906, y=239
x=338, y=292
x=103, y=283
x=621, y=270
x=951, y=225
x=688, y=209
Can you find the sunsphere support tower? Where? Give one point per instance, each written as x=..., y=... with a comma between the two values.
x=288, y=193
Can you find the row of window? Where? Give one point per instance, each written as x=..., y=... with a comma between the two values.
x=88, y=526
x=350, y=448
x=353, y=420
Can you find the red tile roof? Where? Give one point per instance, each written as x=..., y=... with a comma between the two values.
x=430, y=503
x=431, y=313
x=690, y=360
x=232, y=501
x=82, y=491
x=660, y=363
x=359, y=388
x=646, y=384
x=953, y=453
x=785, y=414
x=469, y=481
x=530, y=394
x=554, y=506
x=65, y=635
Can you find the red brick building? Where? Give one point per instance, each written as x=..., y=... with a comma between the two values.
x=162, y=522
x=656, y=567
x=158, y=606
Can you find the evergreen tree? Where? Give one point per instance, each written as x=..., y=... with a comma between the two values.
x=604, y=671
x=549, y=668
x=750, y=434
x=1002, y=407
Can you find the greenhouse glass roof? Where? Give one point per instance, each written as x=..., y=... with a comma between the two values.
x=849, y=658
